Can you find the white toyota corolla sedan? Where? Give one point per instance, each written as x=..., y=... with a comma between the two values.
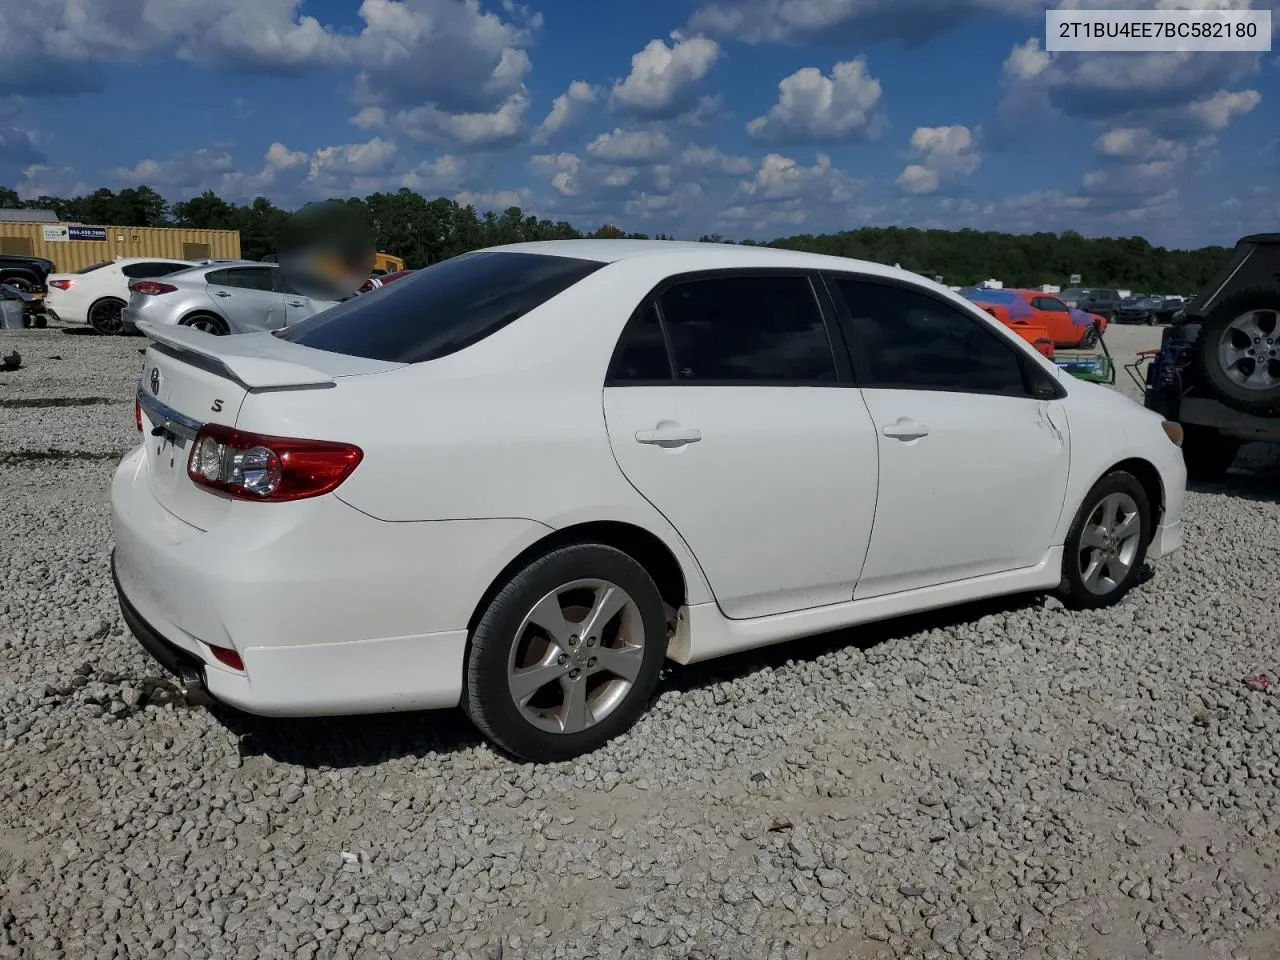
x=518, y=480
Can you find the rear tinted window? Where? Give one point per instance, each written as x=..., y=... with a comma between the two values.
x=443, y=309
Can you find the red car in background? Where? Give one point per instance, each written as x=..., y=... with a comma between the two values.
x=373, y=283
x=1068, y=328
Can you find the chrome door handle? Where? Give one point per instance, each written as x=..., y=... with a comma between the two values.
x=222, y=293
x=669, y=436
x=905, y=429
x=296, y=303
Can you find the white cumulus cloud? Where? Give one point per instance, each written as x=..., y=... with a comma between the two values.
x=663, y=79
x=813, y=108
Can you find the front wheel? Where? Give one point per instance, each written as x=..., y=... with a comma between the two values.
x=1107, y=543
x=1090, y=338
x=567, y=653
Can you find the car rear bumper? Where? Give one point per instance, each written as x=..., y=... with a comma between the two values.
x=378, y=676
x=331, y=611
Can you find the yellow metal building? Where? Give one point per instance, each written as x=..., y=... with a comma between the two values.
x=75, y=245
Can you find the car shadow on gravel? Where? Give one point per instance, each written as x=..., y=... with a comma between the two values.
x=864, y=638
x=341, y=742
x=360, y=741
x=1260, y=485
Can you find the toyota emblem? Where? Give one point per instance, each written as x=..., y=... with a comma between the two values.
x=155, y=380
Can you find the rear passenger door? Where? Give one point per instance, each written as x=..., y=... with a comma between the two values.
x=248, y=297
x=730, y=407
x=973, y=440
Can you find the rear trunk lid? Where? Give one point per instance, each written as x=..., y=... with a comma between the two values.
x=191, y=378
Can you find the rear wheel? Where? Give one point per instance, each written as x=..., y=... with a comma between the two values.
x=1207, y=453
x=206, y=322
x=566, y=654
x=1107, y=543
x=104, y=316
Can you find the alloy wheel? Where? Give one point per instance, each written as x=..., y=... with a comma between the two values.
x=1109, y=543
x=575, y=656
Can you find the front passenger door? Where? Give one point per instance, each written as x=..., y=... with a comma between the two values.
x=973, y=467
x=248, y=297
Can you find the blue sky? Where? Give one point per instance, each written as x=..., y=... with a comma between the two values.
x=751, y=118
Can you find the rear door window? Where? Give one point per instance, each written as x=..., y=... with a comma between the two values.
x=748, y=329
x=152, y=268
x=246, y=278
x=442, y=309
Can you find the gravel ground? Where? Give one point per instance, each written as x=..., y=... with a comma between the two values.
x=1004, y=780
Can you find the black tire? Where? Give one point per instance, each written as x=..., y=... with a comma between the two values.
x=1090, y=338
x=24, y=283
x=487, y=698
x=1207, y=453
x=1215, y=329
x=216, y=325
x=104, y=316
x=40, y=321
x=1074, y=591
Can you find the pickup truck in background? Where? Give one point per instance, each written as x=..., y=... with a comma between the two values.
x=1102, y=301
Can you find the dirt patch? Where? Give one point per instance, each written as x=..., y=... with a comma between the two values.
x=20, y=457
x=36, y=403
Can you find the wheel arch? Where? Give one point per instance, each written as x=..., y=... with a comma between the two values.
x=643, y=546
x=102, y=299
x=1145, y=472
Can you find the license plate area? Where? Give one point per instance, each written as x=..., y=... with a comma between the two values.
x=169, y=436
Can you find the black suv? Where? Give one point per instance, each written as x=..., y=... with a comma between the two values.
x=28, y=274
x=1217, y=371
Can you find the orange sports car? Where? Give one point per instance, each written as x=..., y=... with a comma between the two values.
x=1068, y=328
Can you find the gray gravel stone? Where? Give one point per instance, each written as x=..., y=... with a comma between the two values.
x=1011, y=781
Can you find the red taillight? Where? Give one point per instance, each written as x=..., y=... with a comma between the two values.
x=152, y=288
x=137, y=413
x=62, y=284
x=228, y=657
x=250, y=466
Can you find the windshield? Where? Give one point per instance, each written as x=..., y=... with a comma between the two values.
x=445, y=308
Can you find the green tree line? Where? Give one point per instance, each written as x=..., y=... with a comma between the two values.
x=423, y=232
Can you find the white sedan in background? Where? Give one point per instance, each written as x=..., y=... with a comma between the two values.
x=96, y=294
x=520, y=479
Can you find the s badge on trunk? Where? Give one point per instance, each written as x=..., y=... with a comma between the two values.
x=155, y=380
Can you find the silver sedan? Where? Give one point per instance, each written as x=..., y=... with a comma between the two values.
x=238, y=297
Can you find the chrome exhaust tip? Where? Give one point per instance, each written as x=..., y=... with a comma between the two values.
x=191, y=686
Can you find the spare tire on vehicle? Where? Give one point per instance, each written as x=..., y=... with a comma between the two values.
x=1238, y=349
